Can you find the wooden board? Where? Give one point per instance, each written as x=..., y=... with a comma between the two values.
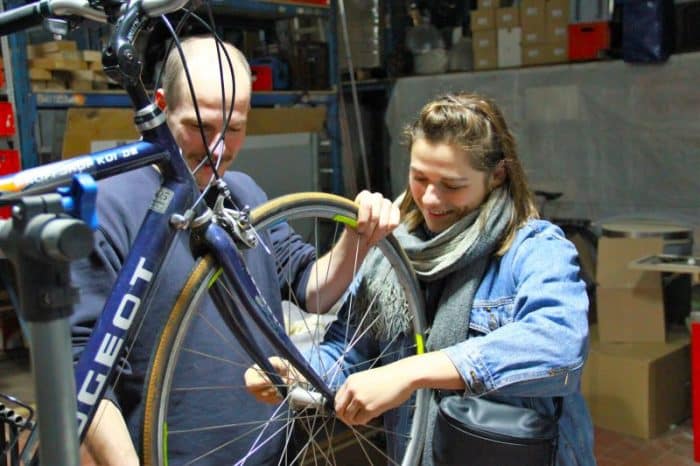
x=85, y=126
x=667, y=263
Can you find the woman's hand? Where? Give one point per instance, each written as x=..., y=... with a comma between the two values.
x=368, y=394
x=377, y=217
x=260, y=386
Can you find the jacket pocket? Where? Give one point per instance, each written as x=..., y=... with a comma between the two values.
x=489, y=315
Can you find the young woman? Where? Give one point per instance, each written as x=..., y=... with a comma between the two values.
x=502, y=288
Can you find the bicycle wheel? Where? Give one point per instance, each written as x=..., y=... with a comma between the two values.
x=286, y=434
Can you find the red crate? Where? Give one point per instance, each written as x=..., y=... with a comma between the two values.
x=9, y=163
x=7, y=119
x=588, y=40
x=262, y=77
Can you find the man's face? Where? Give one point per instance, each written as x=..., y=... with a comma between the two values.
x=182, y=121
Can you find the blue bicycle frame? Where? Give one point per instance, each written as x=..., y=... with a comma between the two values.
x=95, y=369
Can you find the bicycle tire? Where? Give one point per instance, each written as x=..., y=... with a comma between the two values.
x=341, y=212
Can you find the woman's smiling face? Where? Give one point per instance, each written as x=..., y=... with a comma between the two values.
x=444, y=184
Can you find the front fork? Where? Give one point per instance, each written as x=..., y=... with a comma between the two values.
x=246, y=296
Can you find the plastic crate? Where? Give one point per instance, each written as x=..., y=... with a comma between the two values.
x=7, y=120
x=587, y=41
x=9, y=163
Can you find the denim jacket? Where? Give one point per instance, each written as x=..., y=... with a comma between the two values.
x=527, y=340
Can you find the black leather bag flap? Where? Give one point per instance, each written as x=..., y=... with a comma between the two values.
x=497, y=420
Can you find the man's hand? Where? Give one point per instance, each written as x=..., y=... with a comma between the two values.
x=107, y=442
x=260, y=386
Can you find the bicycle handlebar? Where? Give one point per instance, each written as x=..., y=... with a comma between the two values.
x=26, y=16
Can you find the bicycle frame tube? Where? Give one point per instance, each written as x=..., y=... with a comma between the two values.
x=132, y=288
x=100, y=165
x=247, y=298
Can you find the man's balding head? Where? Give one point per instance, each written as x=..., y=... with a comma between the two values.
x=202, y=60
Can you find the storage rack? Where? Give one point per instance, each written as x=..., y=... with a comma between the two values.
x=27, y=103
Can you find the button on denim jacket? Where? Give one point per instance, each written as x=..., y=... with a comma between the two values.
x=527, y=340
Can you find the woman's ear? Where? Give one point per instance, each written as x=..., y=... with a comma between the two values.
x=160, y=98
x=498, y=175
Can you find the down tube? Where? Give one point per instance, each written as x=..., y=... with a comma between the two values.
x=231, y=260
x=132, y=289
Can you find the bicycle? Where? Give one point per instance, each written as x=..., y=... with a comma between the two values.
x=219, y=236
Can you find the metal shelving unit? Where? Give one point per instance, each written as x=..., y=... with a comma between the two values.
x=27, y=103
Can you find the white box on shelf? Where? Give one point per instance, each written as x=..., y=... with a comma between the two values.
x=509, y=48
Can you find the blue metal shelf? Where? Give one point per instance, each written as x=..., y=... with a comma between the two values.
x=278, y=9
x=27, y=102
x=62, y=100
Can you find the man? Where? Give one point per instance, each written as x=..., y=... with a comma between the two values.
x=122, y=204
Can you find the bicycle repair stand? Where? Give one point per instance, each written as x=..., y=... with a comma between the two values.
x=40, y=241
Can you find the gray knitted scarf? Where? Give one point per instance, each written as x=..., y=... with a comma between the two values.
x=461, y=253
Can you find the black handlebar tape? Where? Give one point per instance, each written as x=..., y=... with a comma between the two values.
x=23, y=17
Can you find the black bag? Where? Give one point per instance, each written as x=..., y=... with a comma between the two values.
x=647, y=30
x=478, y=432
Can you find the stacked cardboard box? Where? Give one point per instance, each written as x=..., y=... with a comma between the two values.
x=533, y=32
x=509, y=37
x=59, y=65
x=634, y=303
x=637, y=377
x=544, y=31
x=640, y=389
x=484, y=37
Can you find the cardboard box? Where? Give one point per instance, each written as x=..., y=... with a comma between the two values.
x=534, y=37
x=544, y=54
x=631, y=314
x=508, y=17
x=286, y=120
x=484, y=40
x=532, y=15
x=629, y=302
x=509, y=48
x=481, y=20
x=639, y=389
x=484, y=4
x=485, y=47
x=559, y=34
x=557, y=12
x=486, y=61
x=557, y=52
x=614, y=256
x=89, y=129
